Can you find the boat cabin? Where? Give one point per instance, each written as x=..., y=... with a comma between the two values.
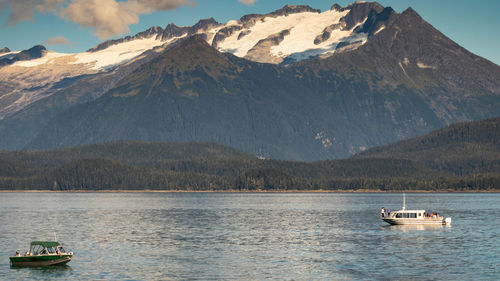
x=45, y=248
x=408, y=214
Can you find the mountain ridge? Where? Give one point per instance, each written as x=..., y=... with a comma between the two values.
x=23, y=82
x=394, y=77
x=197, y=84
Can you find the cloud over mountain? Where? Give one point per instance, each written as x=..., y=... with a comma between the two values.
x=107, y=17
x=110, y=17
x=248, y=2
x=22, y=10
x=58, y=40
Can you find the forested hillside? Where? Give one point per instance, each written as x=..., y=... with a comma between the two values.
x=208, y=166
x=462, y=149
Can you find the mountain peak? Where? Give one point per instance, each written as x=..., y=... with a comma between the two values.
x=144, y=34
x=365, y=5
x=172, y=30
x=336, y=7
x=150, y=31
x=293, y=9
x=34, y=52
x=206, y=23
x=196, y=39
x=188, y=53
x=410, y=10
x=410, y=13
x=359, y=11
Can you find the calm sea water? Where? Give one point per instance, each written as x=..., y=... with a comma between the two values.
x=251, y=236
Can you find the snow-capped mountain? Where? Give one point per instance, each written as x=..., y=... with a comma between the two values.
x=333, y=83
x=291, y=33
x=287, y=35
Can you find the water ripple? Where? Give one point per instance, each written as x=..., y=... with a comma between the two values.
x=228, y=236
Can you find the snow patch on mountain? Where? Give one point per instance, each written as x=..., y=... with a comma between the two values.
x=48, y=58
x=304, y=28
x=424, y=66
x=8, y=54
x=118, y=54
x=102, y=59
x=380, y=29
x=297, y=23
x=305, y=31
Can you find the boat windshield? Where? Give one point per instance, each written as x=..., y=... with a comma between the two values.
x=37, y=250
x=43, y=248
x=40, y=250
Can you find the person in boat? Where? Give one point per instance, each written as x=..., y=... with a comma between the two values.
x=382, y=212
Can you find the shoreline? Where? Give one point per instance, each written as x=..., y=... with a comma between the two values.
x=251, y=191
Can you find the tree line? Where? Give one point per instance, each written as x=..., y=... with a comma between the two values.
x=137, y=166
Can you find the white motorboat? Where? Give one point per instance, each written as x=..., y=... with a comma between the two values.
x=413, y=217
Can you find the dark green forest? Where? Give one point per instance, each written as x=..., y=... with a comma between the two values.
x=462, y=157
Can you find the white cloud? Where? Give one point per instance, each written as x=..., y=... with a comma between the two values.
x=110, y=17
x=58, y=40
x=248, y=2
x=22, y=10
x=107, y=17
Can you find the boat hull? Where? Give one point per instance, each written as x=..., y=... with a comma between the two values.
x=42, y=260
x=407, y=221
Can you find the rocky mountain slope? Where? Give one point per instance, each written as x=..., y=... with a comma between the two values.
x=402, y=80
x=286, y=35
x=318, y=109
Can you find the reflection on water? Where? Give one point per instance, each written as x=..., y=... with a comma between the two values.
x=44, y=269
x=152, y=236
x=62, y=272
x=416, y=227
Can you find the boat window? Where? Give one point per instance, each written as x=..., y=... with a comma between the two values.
x=419, y=214
x=413, y=215
x=398, y=215
x=405, y=215
x=36, y=249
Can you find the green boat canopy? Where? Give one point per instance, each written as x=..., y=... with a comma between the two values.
x=46, y=244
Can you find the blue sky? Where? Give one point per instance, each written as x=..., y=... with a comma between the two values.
x=76, y=25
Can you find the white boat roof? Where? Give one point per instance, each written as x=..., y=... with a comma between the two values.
x=408, y=211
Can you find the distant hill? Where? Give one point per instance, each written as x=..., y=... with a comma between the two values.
x=462, y=149
x=208, y=166
x=138, y=153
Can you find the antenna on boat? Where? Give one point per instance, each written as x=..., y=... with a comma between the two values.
x=55, y=237
x=404, y=201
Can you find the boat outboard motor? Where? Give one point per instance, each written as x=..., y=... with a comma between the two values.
x=447, y=221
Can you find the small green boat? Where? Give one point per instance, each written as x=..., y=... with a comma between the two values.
x=42, y=253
